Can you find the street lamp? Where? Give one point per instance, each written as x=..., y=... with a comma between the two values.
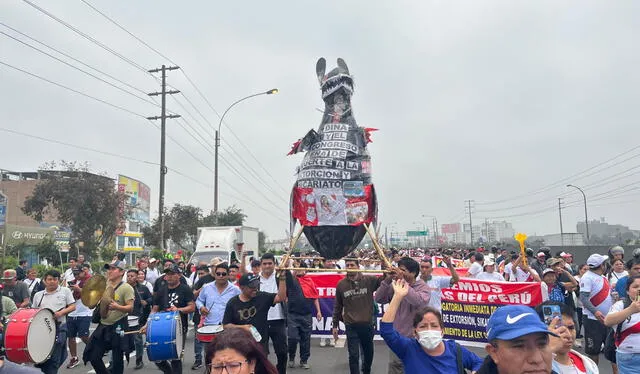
x=215, y=172
x=586, y=219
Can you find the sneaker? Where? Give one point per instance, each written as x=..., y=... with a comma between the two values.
x=292, y=364
x=196, y=365
x=305, y=365
x=73, y=362
x=139, y=365
x=332, y=343
x=323, y=342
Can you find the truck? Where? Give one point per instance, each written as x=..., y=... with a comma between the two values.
x=223, y=242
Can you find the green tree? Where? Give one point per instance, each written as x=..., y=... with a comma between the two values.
x=49, y=250
x=232, y=216
x=87, y=203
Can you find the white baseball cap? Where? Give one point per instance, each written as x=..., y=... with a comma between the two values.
x=596, y=260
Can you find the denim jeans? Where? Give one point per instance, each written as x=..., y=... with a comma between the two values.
x=197, y=349
x=628, y=363
x=360, y=336
x=139, y=343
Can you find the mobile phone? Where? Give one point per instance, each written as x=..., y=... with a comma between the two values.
x=550, y=312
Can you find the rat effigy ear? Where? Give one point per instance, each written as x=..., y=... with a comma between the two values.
x=321, y=65
x=343, y=65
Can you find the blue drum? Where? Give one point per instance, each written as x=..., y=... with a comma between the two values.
x=164, y=336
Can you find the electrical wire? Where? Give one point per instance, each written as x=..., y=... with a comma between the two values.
x=88, y=37
x=192, y=83
x=566, y=179
x=71, y=89
x=74, y=59
x=81, y=70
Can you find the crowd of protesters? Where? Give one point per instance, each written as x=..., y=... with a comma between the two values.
x=263, y=301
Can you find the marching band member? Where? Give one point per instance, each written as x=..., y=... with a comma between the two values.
x=213, y=298
x=113, y=314
x=173, y=295
x=58, y=299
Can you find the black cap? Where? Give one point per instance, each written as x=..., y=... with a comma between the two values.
x=173, y=269
x=250, y=280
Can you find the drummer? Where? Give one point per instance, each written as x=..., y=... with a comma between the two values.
x=60, y=300
x=173, y=295
x=113, y=314
x=214, y=296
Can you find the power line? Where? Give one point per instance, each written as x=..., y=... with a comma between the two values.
x=85, y=148
x=88, y=37
x=192, y=83
x=79, y=69
x=74, y=59
x=71, y=89
x=564, y=180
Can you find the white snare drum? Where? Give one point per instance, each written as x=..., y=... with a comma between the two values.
x=207, y=334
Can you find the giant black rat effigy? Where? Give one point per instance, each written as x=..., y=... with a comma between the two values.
x=334, y=197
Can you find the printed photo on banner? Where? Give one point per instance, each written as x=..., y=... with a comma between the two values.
x=438, y=263
x=357, y=212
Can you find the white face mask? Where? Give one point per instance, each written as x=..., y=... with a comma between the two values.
x=430, y=339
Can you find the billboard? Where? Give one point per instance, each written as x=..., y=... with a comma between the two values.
x=450, y=228
x=137, y=200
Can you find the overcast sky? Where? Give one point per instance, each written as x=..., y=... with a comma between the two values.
x=482, y=100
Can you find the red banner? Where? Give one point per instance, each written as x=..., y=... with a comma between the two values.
x=466, y=307
x=477, y=291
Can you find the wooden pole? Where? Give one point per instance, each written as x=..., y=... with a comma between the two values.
x=377, y=247
x=316, y=270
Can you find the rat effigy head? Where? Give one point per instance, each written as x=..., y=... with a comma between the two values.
x=337, y=85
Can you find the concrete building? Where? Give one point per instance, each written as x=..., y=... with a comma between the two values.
x=566, y=239
x=600, y=228
x=19, y=227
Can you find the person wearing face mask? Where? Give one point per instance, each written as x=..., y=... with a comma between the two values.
x=418, y=295
x=303, y=304
x=427, y=352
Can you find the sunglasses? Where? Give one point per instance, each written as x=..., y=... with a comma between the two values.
x=221, y=274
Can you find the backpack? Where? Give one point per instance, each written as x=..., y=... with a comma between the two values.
x=610, y=345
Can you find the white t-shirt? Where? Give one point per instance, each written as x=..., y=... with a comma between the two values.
x=270, y=285
x=507, y=270
x=631, y=343
x=68, y=276
x=599, y=293
x=152, y=275
x=436, y=284
x=32, y=283
x=490, y=276
x=56, y=300
x=474, y=270
x=569, y=369
x=81, y=310
x=520, y=275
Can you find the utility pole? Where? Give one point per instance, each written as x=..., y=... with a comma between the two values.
x=435, y=230
x=468, y=207
x=560, y=214
x=163, y=130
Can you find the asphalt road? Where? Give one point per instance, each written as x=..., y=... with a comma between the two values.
x=323, y=360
